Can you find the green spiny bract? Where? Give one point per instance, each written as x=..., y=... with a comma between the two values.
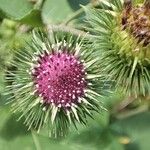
x=122, y=36
x=56, y=82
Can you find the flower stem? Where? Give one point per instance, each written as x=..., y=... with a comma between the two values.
x=68, y=29
x=73, y=16
x=79, y=12
x=35, y=140
x=139, y=110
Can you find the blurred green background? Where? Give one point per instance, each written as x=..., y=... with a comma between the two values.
x=126, y=124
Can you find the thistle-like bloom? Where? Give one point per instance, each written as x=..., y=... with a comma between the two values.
x=123, y=38
x=56, y=82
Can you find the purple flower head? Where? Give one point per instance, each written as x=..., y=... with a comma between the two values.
x=60, y=79
x=123, y=38
x=56, y=82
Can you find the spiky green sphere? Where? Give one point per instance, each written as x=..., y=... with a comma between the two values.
x=122, y=31
x=56, y=82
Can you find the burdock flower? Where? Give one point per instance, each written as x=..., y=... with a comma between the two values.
x=56, y=82
x=122, y=30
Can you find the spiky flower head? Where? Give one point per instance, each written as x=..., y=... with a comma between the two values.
x=136, y=19
x=122, y=30
x=56, y=82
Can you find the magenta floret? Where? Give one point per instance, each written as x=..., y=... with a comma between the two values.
x=59, y=78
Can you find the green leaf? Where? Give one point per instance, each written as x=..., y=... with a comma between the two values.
x=33, y=18
x=53, y=11
x=13, y=135
x=16, y=9
x=21, y=10
x=136, y=128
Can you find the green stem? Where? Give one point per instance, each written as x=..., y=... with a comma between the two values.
x=79, y=12
x=68, y=29
x=73, y=16
x=35, y=140
x=39, y=4
x=141, y=109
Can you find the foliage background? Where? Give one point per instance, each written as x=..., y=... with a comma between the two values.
x=126, y=124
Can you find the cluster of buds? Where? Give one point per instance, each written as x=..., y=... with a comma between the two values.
x=122, y=30
x=136, y=19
